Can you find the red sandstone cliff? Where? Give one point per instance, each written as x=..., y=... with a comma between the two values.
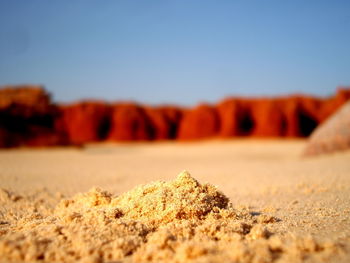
x=201, y=122
x=84, y=122
x=27, y=117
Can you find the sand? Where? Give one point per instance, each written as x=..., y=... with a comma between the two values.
x=267, y=205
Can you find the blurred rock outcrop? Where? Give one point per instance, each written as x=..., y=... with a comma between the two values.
x=165, y=121
x=130, y=122
x=84, y=122
x=29, y=118
x=200, y=122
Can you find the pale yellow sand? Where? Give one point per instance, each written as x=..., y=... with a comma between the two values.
x=309, y=198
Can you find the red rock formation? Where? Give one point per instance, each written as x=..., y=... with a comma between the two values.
x=25, y=99
x=164, y=121
x=293, y=116
x=27, y=117
x=229, y=111
x=252, y=117
x=267, y=118
x=84, y=122
x=200, y=122
x=299, y=122
x=174, y=117
x=130, y=122
x=6, y=140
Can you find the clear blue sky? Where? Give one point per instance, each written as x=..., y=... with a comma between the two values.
x=178, y=52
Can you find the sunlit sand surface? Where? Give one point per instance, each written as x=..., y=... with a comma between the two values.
x=306, y=196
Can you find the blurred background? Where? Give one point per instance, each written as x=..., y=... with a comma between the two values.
x=177, y=52
x=159, y=70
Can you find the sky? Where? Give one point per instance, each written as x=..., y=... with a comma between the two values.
x=178, y=52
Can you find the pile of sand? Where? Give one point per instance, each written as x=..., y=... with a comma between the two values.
x=176, y=221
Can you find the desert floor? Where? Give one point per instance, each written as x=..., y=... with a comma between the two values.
x=308, y=196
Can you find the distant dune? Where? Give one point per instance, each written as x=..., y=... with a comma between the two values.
x=28, y=117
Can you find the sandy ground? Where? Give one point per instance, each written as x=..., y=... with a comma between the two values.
x=307, y=196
